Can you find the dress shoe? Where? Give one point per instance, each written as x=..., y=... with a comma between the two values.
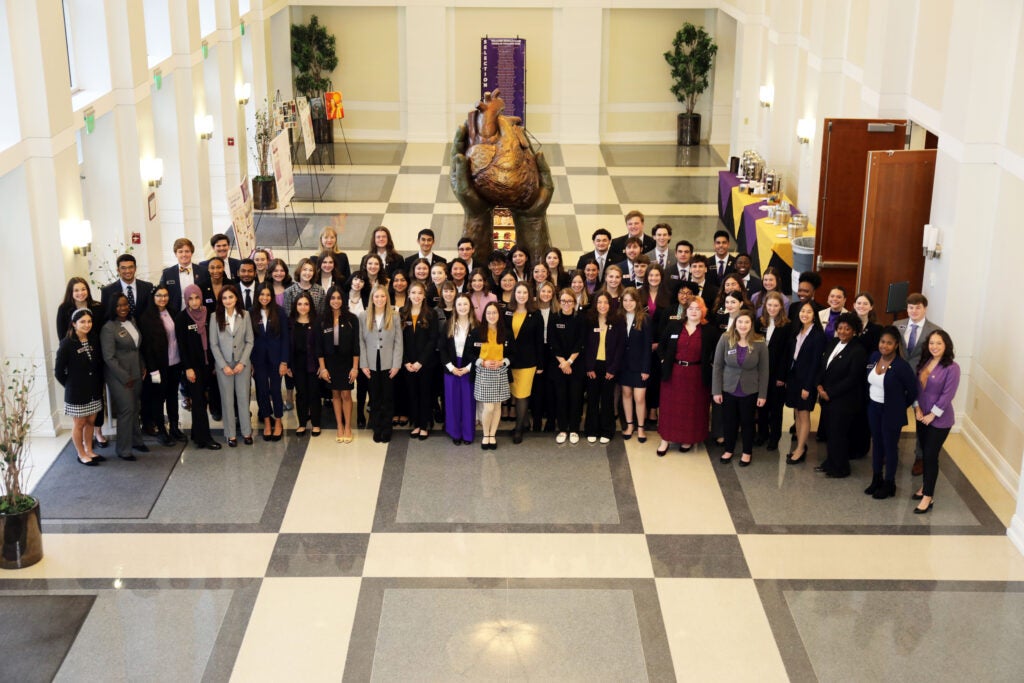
x=141, y=448
x=517, y=437
x=89, y=463
x=886, y=490
x=212, y=446
x=165, y=439
x=129, y=458
x=917, y=496
x=772, y=446
x=923, y=511
x=745, y=463
x=876, y=483
x=837, y=475
x=376, y=438
x=605, y=440
x=662, y=451
x=247, y=440
x=642, y=438
x=760, y=440
x=232, y=443
x=820, y=468
x=315, y=431
x=591, y=439
x=151, y=430
x=96, y=443
x=216, y=417
x=918, y=468
x=790, y=460
x=177, y=434
x=685, y=449
x=725, y=460
x=96, y=457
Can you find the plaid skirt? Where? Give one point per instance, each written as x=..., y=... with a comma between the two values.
x=491, y=385
x=83, y=409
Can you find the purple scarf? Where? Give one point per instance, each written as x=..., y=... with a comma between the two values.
x=198, y=316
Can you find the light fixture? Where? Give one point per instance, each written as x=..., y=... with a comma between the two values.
x=204, y=126
x=804, y=130
x=931, y=244
x=242, y=92
x=77, y=235
x=767, y=96
x=152, y=171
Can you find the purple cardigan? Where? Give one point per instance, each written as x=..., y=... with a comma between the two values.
x=937, y=396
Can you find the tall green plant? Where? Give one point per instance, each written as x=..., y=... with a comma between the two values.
x=690, y=59
x=15, y=426
x=261, y=143
x=313, y=56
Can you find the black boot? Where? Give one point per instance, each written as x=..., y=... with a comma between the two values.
x=876, y=484
x=163, y=437
x=886, y=490
x=176, y=434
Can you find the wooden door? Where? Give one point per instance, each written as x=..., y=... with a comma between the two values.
x=897, y=206
x=844, y=152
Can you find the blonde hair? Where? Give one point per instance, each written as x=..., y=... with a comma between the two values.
x=752, y=336
x=640, y=315
x=371, y=309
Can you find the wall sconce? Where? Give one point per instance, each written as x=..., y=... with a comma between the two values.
x=242, y=92
x=930, y=244
x=152, y=171
x=77, y=235
x=804, y=130
x=204, y=126
x=767, y=96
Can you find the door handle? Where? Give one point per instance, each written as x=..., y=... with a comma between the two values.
x=837, y=264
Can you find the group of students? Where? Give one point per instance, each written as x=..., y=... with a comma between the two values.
x=700, y=346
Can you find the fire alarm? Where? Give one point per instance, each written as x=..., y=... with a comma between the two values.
x=136, y=238
x=231, y=142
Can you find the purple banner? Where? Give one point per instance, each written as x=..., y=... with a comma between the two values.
x=503, y=66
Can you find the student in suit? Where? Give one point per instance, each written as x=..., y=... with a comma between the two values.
x=182, y=274
x=739, y=382
x=490, y=384
x=339, y=358
x=913, y=330
x=78, y=296
x=231, y=344
x=304, y=364
x=246, y=285
x=566, y=330
x=662, y=252
x=380, y=358
x=602, y=254
x=458, y=356
x=841, y=393
x=631, y=250
x=706, y=290
x=938, y=378
x=121, y=341
x=525, y=328
x=329, y=245
x=775, y=327
x=269, y=359
x=305, y=274
x=871, y=331
x=602, y=360
x=467, y=254
x=420, y=330
x=137, y=291
x=383, y=246
x=221, y=246
x=215, y=282
x=829, y=316
x=163, y=362
x=721, y=263
x=679, y=269
x=79, y=369
x=636, y=363
x=425, y=238
x=556, y=267
x=634, y=228
x=809, y=283
x=192, y=328
x=892, y=389
x=769, y=283
x=751, y=282
x=803, y=358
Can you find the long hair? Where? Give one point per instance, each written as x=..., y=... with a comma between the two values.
x=293, y=315
x=287, y=281
x=319, y=262
x=425, y=311
x=604, y=286
x=781, y=318
x=298, y=269
x=485, y=327
x=69, y=300
x=720, y=299
x=454, y=316
x=614, y=314
x=77, y=315
x=661, y=299
x=389, y=247
x=584, y=300
x=530, y=305
x=893, y=331
x=872, y=318
x=640, y=317
x=273, y=310
x=484, y=275
x=559, y=275
x=221, y=316
x=752, y=336
x=947, y=355
x=371, y=309
x=327, y=314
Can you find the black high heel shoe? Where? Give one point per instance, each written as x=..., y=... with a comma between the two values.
x=88, y=463
x=639, y=437
x=629, y=436
x=662, y=451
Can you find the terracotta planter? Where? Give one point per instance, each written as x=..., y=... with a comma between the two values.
x=264, y=194
x=22, y=538
x=688, y=129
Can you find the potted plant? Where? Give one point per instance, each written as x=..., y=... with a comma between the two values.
x=264, y=190
x=20, y=530
x=314, y=57
x=690, y=60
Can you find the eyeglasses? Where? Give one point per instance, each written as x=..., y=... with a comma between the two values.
x=567, y=301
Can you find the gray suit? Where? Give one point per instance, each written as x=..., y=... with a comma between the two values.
x=670, y=257
x=389, y=341
x=752, y=376
x=914, y=354
x=124, y=365
x=229, y=349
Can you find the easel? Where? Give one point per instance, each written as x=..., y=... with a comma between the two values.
x=295, y=222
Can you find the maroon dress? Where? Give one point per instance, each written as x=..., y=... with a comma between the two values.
x=685, y=401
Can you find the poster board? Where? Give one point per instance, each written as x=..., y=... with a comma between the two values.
x=306, y=122
x=334, y=104
x=284, y=178
x=503, y=65
x=240, y=207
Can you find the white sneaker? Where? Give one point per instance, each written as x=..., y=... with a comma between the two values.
x=605, y=439
x=560, y=438
x=574, y=437
x=591, y=439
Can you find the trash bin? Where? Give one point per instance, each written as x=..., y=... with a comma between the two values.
x=803, y=257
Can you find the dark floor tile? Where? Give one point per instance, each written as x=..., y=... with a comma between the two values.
x=666, y=190
x=660, y=155
x=36, y=633
x=586, y=170
x=318, y=555
x=426, y=170
x=407, y=207
x=598, y=209
x=698, y=556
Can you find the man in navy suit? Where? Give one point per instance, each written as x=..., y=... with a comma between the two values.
x=721, y=262
x=139, y=292
x=177, y=277
x=425, y=238
x=221, y=249
x=634, y=228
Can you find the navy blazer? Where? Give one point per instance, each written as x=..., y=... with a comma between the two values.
x=803, y=370
x=143, y=295
x=169, y=279
x=900, y=386
x=419, y=342
x=614, y=345
x=528, y=346
x=636, y=354
x=842, y=380
x=269, y=350
x=446, y=350
x=778, y=346
x=348, y=336
x=80, y=373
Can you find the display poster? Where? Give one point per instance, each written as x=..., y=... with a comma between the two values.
x=289, y=114
x=280, y=152
x=316, y=108
x=306, y=121
x=503, y=66
x=335, y=107
x=240, y=207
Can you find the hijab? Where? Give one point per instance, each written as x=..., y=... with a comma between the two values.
x=198, y=316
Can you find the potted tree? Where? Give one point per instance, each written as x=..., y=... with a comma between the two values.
x=264, y=190
x=314, y=57
x=690, y=60
x=20, y=530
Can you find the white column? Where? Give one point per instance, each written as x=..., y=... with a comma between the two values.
x=424, y=48
x=578, y=36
